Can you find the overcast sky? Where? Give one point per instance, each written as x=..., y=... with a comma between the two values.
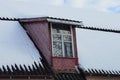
x=102, y=5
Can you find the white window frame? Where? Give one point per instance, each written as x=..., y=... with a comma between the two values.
x=63, y=51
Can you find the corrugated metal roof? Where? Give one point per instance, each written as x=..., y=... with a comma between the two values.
x=63, y=19
x=60, y=20
x=53, y=20
x=45, y=17
x=100, y=72
x=49, y=19
x=9, y=19
x=99, y=29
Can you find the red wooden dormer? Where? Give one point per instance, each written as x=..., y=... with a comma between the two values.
x=56, y=39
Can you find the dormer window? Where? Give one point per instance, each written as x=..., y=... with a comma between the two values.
x=62, y=41
x=55, y=38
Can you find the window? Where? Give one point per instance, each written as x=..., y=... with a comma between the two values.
x=62, y=40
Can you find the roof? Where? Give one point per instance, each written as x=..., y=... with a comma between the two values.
x=86, y=63
x=104, y=53
x=79, y=24
x=19, y=58
x=69, y=76
x=102, y=72
x=98, y=50
x=16, y=47
x=36, y=71
x=99, y=72
x=53, y=20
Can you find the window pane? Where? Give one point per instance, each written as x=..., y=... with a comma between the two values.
x=62, y=40
x=55, y=30
x=60, y=28
x=68, y=49
x=67, y=38
x=56, y=37
x=57, y=49
x=67, y=31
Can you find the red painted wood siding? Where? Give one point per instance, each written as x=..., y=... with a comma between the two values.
x=39, y=32
x=75, y=44
x=64, y=64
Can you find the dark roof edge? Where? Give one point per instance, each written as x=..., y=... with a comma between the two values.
x=99, y=29
x=52, y=19
x=9, y=19
x=79, y=24
x=37, y=68
x=98, y=72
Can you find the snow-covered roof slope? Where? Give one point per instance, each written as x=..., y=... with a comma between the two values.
x=98, y=50
x=15, y=45
x=95, y=49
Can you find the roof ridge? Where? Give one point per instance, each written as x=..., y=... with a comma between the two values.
x=83, y=27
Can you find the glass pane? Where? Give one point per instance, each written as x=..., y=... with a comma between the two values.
x=55, y=30
x=61, y=28
x=67, y=38
x=65, y=31
x=68, y=49
x=57, y=49
x=56, y=37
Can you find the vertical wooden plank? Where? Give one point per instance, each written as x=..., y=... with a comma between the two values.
x=75, y=44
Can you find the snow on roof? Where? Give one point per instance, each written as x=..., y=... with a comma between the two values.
x=98, y=50
x=15, y=45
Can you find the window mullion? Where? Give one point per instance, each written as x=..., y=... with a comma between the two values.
x=63, y=52
x=72, y=42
